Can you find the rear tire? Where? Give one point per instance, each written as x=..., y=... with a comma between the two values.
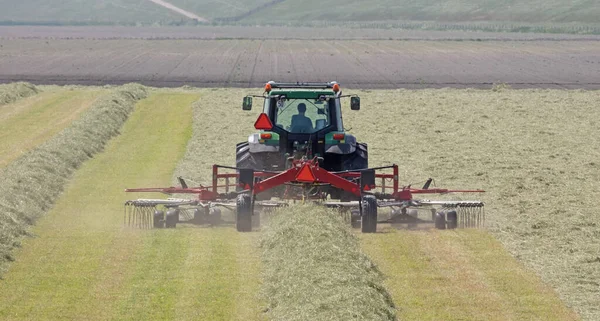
x=243, y=219
x=369, y=214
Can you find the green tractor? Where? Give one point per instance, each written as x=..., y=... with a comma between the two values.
x=302, y=121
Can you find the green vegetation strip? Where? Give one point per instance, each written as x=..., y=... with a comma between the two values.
x=84, y=265
x=30, y=122
x=314, y=269
x=459, y=275
x=31, y=184
x=12, y=92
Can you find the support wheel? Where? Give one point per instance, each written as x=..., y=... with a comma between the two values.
x=440, y=221
x=172, y=218
x=451, y=220
x=369, y=214
x=159, y=219
x=355, y=219
x=243, y=218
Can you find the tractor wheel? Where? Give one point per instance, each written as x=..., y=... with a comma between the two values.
x=369, y=214
x=243, y=219
x=452, y=220
x=357, y=160
x=159, y=219
x=440, y=221
x=172, y=218
x=256, y=161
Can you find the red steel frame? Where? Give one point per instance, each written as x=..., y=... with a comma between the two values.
x=342, y=180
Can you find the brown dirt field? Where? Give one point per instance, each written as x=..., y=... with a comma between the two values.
x=355, y=63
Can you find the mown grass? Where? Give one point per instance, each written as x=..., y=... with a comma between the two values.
x=527, y=148
x=84, y=265
x=12, y=92
x=459, y=275
x=532, y=151
x=32, y=121
x=32, y=183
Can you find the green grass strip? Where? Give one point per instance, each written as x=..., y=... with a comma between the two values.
x=459, y=275
x=314, y=269
x=83, y=264
x=12, y=92
x=30, y=122
x=32, y=183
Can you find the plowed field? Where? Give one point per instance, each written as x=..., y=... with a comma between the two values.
x=354, y=63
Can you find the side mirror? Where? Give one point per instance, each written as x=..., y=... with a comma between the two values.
x=247, y=105
x=355, y=103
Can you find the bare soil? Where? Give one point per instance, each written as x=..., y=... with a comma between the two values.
x=355, y=63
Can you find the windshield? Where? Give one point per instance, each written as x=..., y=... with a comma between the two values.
x=302, y=115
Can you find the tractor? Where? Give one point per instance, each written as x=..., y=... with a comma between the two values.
x=301, y=152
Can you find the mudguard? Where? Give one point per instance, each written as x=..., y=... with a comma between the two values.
x=256, y=147
x=348, y=147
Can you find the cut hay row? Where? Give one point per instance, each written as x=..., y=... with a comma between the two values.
x=12, y=92
x=32, y=183
x=314, y=270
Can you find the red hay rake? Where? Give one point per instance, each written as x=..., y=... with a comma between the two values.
x=246, y=190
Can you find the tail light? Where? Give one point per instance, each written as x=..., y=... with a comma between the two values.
x=339, y=136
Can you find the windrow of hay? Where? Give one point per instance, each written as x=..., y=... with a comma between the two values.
x=32, y=183
x=314, y=269
x=12, y=92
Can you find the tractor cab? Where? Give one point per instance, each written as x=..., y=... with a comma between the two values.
x=301, y=120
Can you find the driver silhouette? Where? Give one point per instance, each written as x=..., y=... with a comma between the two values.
x=301, y=123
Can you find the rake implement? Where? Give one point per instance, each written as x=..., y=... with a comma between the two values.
x=243, y=190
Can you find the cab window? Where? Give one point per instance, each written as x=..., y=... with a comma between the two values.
x=302, y=115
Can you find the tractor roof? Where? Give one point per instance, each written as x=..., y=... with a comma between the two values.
x=302, y=90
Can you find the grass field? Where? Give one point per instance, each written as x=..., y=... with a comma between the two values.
x=436, y=10
x=506, y=15
x=523, y=146
x=428, y=133
x=462, y=275
x=81, y=252
x=24, y=124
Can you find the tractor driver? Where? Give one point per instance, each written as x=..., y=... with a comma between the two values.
x=301, y=123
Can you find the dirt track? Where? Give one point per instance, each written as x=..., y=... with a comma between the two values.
x=355, y=63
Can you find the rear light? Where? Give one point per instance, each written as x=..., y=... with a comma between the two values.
x=339, y=136
x=266, y=136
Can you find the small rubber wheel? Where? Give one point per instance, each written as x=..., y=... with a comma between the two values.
x=451, y=220
x=369, y=214
x=243, y=218
x=159, y=219
x=355, y=219
x=172, y=218
x=215, y=216
x=440, y=221
x=200, y=215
